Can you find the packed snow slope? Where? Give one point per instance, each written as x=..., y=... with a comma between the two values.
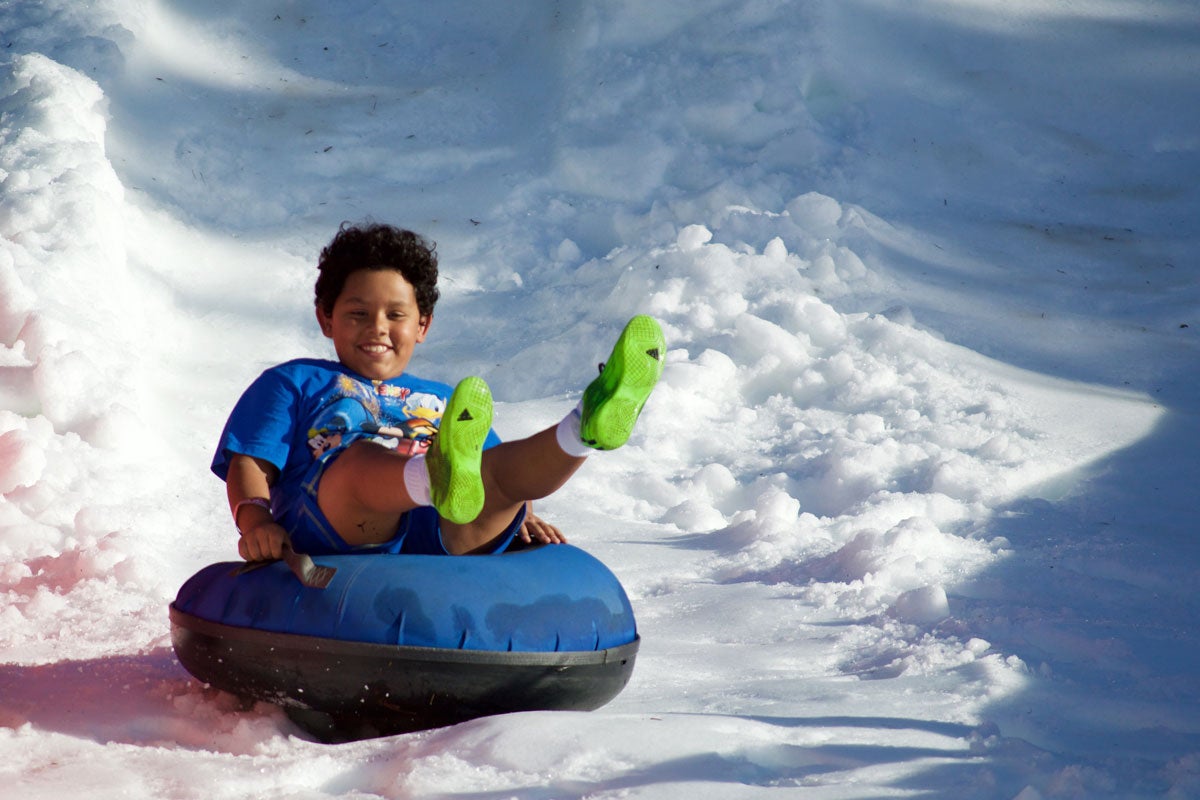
x=912, y=512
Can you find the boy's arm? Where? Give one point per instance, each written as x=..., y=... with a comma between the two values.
x=251, y=478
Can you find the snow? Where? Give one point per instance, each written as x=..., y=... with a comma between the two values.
x=911, y=513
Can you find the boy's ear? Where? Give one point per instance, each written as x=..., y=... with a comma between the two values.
x=423, y=330
x=325, y=323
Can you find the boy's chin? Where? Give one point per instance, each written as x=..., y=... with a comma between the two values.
x=381, y=376
x=375, y=371
x=376, y=368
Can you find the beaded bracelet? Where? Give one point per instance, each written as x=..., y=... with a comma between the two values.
x=249, y=501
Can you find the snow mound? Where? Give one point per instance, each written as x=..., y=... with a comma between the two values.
x=74, y=457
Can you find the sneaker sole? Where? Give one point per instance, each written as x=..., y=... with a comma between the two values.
x=455, y=485
x=613, y=402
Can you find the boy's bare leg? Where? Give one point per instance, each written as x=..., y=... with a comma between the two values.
x=362, y=493
x=530, y=469
x=513, y=473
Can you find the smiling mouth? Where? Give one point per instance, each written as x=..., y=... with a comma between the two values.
x=375, y=349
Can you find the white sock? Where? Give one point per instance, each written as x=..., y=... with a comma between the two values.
x=568, y=433
x=416, y=480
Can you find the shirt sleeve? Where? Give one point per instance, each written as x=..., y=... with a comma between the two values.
x=262, y=424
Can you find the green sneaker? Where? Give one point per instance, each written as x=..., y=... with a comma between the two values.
x=455, y=485
x=613, y=401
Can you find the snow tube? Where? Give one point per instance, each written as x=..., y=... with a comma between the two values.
x=399, y=643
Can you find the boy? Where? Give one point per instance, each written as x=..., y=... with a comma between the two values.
x=359, y=456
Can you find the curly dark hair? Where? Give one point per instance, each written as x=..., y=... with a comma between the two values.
x=374, y=245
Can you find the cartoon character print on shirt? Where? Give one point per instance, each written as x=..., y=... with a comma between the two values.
x=393, y=416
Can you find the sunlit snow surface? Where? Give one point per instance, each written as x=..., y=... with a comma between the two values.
x=911, y=512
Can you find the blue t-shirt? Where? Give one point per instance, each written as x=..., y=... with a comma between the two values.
x=300, y=413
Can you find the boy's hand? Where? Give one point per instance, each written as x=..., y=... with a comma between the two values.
x=263, y=542
x=536, y=529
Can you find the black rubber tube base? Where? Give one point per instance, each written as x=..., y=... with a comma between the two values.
x=340, y=691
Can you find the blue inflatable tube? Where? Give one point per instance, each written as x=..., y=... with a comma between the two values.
x=398, y=643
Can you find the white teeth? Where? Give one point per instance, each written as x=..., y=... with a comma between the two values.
x=376, y=348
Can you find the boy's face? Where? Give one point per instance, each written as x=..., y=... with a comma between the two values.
x=375, y=323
